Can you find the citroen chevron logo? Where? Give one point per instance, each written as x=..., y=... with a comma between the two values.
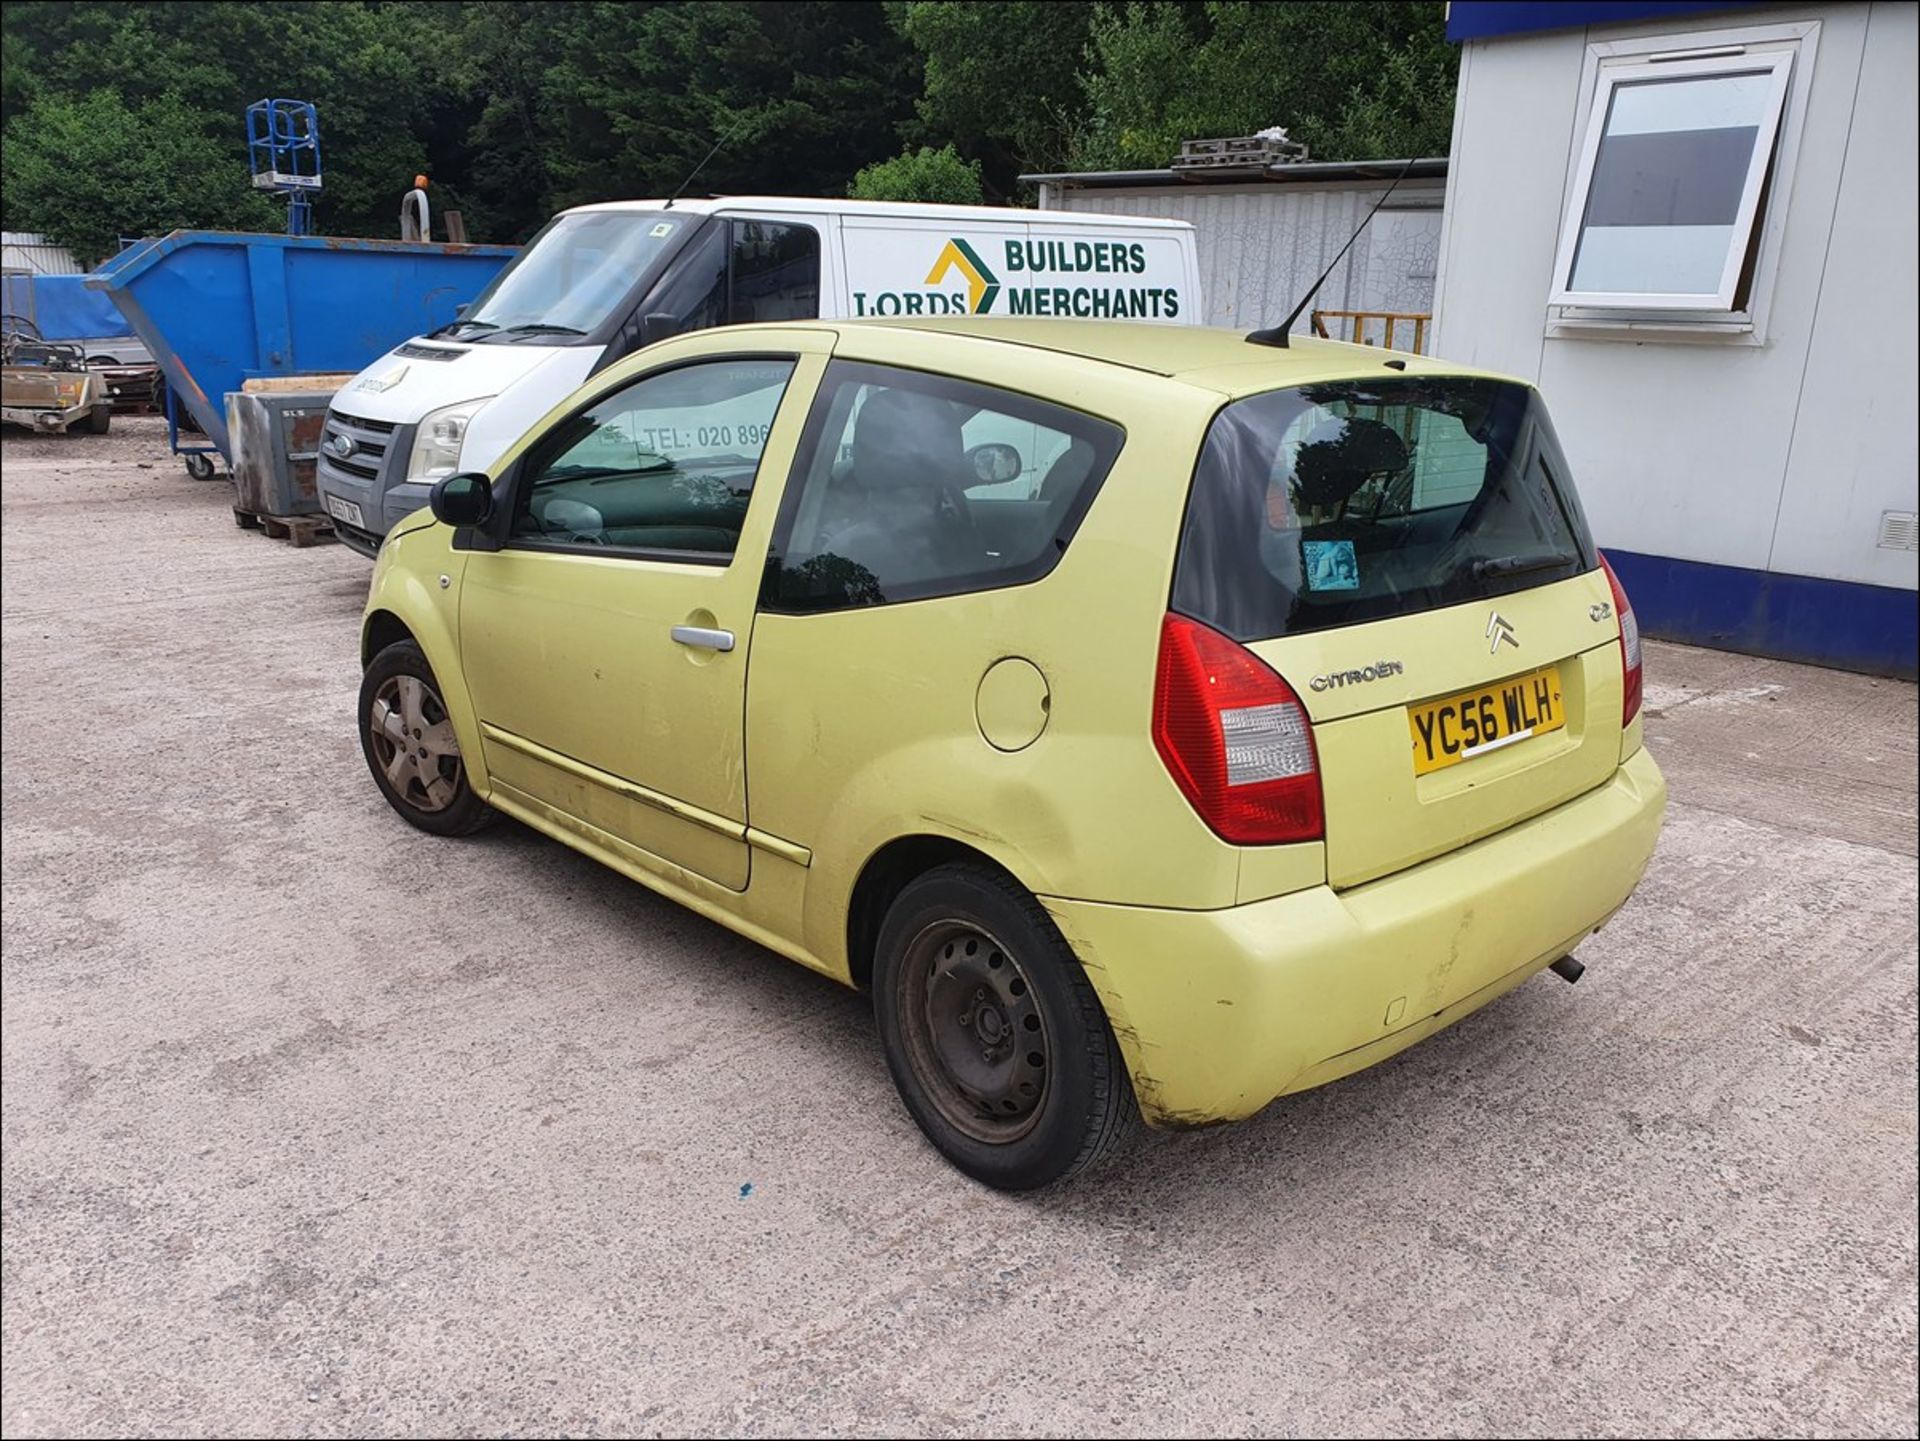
x=1499, y=629
x=982, y=284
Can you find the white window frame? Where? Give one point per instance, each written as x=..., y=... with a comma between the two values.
x=1608, y=63
x=1778, y=66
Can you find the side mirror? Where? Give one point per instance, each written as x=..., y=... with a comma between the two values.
x=463, y=499
x=462, y=308
x=994, y=463
x=658, y=325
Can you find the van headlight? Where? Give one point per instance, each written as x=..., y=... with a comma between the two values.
x=436, y=445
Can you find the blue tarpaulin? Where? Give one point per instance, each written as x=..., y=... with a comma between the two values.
x=62, y=308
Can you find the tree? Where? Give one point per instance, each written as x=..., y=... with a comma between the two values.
x=935, y=177
x=799, y=95
x=373, y=71
x=513, y=108
x=88, y=171
x=500, y=150
x=1355, y=81
x=1001, y=80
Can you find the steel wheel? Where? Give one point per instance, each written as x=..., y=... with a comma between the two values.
x=413, y=743
x=976, y=1036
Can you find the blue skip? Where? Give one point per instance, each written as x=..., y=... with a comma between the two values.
x=217, y=308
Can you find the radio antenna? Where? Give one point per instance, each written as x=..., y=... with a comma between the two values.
x=725, y=136
x=1277, y=335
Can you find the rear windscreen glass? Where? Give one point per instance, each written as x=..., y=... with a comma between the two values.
x=1360, y=500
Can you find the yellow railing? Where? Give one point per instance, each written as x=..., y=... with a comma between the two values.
x=1360, y=330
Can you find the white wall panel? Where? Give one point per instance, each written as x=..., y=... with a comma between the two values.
x=1780, y=454
x=1856, y=436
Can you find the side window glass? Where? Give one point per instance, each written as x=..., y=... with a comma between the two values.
x=776, y=272
x=696, y=296
x=910, y=486
x=664, y=464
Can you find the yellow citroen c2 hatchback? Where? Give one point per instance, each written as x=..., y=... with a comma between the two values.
x=1156, y=724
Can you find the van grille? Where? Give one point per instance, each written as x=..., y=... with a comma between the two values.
x=370, y=438
x=378, y=427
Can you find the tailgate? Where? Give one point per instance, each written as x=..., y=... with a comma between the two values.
x=1551, y=696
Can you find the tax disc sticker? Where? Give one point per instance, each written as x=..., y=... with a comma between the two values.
x=1331, y=565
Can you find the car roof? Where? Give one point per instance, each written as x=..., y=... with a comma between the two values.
x=1204, y=356
x=894, y=210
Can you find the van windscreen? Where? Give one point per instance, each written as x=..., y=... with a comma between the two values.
x=573, y=274
x=1352, y=501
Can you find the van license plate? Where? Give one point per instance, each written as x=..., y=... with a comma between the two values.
x=344, y=510
x=1446, y=732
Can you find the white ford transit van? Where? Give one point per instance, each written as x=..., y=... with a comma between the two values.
x=600, y=281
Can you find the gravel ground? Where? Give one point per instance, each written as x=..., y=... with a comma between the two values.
x=314, y=1125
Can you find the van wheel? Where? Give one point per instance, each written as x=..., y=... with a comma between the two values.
x=995, y=1038
x=410, y=747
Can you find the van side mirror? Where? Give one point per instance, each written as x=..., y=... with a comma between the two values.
x=994, y=463
x=461, y=500
x=462, y=308
x=658, y=325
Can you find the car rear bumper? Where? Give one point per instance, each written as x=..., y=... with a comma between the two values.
x=1220, y=1012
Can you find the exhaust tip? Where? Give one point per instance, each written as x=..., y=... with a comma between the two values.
x=1568, y=969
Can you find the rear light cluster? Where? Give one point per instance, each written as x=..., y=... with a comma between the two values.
x=1235, y=738
x=1629, y=646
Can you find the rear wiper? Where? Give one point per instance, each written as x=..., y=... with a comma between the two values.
x=1520, y=564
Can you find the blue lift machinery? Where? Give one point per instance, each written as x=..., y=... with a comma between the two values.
x=283, y=146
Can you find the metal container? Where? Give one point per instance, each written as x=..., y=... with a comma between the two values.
x=218, y=308
x=276, y=443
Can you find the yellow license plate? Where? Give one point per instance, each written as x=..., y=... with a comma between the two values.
x=1460, y=727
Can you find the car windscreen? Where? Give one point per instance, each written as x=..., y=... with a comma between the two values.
x=1350, y=501
x=572, y=276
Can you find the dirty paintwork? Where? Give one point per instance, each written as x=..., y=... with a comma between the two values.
x=1231, y=974
x=316, y=1128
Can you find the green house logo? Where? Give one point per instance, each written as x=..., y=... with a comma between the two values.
x=982, y=284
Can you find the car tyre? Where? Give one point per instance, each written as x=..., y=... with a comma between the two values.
x=99, y=420
x=995, y=1038
x=408, y=740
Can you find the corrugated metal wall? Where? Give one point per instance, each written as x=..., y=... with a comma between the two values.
x=23, y=250
x=1261, y=246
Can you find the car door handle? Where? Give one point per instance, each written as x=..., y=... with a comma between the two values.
x=705, y=639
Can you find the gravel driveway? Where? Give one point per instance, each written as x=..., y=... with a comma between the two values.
x=315, y=1125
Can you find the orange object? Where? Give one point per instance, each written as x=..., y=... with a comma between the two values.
x=419, y=182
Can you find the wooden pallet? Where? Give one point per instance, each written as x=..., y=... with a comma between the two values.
x=1238, y=152
x=302, y=530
